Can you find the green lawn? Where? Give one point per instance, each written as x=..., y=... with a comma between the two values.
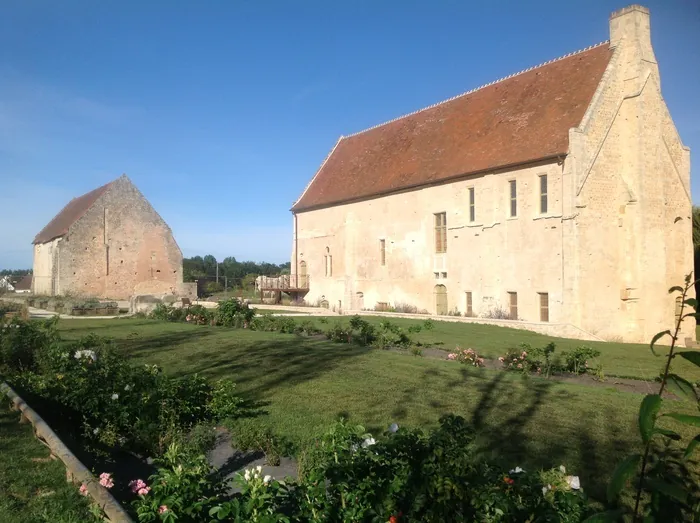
x=33, y=488
x=618, y=359
x=305, y=384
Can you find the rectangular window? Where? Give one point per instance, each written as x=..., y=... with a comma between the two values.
x=513, y=303
x=470, y=309
x=472, y=208
x=543, y=194
x=513, y=199
x=544, y=306
x=441, y=232
x=382, y=250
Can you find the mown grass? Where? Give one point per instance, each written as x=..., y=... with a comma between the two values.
x=304, y=384
x=33, y=487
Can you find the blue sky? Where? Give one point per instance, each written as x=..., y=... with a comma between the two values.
x=221, y=111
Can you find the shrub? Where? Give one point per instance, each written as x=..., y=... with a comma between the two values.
x=541, y=359
x=516, y=360
x=428, y=325
x=497, y=313
x=454, y=312
x=233, y=313
x=405, y=308
x=467, y=356
x=100, y=394
x=576, y=361
x=339, y=334
x=250, y=434
x=308, y=328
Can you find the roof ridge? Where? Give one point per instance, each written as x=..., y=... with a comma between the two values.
x=472, y=91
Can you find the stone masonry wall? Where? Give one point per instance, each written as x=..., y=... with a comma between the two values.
x=120, y=247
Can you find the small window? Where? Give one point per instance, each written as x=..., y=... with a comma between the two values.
x=472, y=206
x=513, y=305
x=443, y=275
x=513, y=198
x=437, y=275
x=440, y=232
x=544, y=306
x=470, y=309
x=679, y=306
x=329, y=263
x=543, y=194
x=382, y=251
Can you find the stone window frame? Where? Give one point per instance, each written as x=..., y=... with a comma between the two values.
x=543, y=193
x=512, y=198
x=440, y=220
x=544, y=306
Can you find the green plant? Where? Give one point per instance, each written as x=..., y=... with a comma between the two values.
x=666, y=488
x=339, y=334
x=416, y=351
x=181, y=490
x=234, y=313
x=428, y=325
x=466, y=356
x=516, y=360
x=251, y=434
x=541, y=359
x=576, y=360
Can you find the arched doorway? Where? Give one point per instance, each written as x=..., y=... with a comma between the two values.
x=303, y=278
x=441, y=299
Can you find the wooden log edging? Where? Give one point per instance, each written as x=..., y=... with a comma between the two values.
x=75, y=470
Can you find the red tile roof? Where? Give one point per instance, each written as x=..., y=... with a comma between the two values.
x=69, y=215
x=522, y=118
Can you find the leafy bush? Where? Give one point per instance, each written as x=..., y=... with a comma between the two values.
x=467, y=356
x=516, y=360
x=406, y=308
x=497, y=313
x=101, y=394
x=667, y=487
x=233, y=313
x=576, y=361
x=308, y=328
x=339, y=334
x=250, y=434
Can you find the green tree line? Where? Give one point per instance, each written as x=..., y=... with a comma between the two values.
x=204, y=268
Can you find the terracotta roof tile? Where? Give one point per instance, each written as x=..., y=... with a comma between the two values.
x=69, y=215
x=522, y=118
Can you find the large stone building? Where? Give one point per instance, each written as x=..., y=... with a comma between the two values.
x=559, y=194
x=108, y=243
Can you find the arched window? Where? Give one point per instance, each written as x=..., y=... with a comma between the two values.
x=328, y=262
x=441, y=299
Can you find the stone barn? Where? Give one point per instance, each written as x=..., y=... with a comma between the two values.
x=108, y=243
x=557, y=195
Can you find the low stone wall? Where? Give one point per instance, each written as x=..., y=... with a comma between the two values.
x=559, y=330
x=75, y=470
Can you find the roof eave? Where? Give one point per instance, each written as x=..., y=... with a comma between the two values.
x=554, y=156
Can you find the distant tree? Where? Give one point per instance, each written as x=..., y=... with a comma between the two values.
x=15, y=273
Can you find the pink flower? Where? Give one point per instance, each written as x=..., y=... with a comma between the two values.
x=137, y=485
x=106, y=480
x=520, y=365
x=162, y=509
x=500, y=359
x=452, y=356
x=83, y=489
x=524, y=354
x=144, y=491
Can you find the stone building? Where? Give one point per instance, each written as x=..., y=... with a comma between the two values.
x=108, y=243
x=559, y=194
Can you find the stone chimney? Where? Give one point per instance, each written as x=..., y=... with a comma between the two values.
x=630, y=30
x=630, y=23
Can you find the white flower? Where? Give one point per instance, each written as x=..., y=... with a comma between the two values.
x=354, y=447
x=247, y=474
x=368, y=442
x=127, y=387
x=516, y=470
x=96, y=431
x=573, y=482
x=393, y=427
x=267, y=479
x=546, y=489
x=259, y=469
x=562, y=468
x=115, y=396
